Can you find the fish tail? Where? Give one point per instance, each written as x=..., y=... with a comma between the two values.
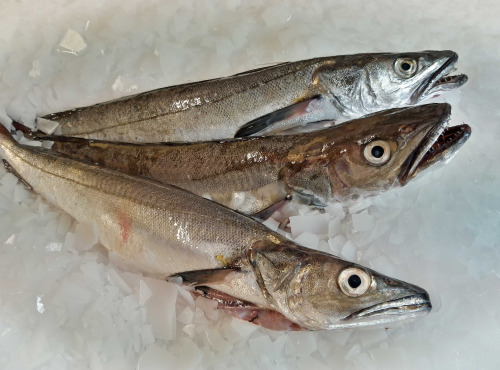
x=27, y=132
x=7, y=143
x=6, y=138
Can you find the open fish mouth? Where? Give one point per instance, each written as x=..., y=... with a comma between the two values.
x=441, y=80
x=440, y=144
x=405, y=307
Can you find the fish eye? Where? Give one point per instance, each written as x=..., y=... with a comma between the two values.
x=354, y=281
x=377, y=152
x=405, y=67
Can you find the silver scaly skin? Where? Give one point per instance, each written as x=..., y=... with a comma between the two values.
x=252, y=272
x=267, y=100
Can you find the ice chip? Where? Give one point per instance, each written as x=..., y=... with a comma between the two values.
x=309, y=362
x=243, y=328
x=72, y=43
x=186, y=316
x=115, y=278
x=155, y=358
x=39, y=304
x=144, y=292
x=92, y=270
x=161, y=308
x=334, y=227
x=46, y=125
x=188, y=353
x=336, y=243
x=349, y=251
x=362, y=221
x=86, y=236
x=308, y=239
x=336, y=210
x=272, y=223
x=208, y=306
x=147, y=336
x=317, y=224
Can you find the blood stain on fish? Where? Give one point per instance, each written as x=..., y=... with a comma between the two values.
x=125, y=226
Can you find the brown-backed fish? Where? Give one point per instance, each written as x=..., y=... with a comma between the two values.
x=360, y=157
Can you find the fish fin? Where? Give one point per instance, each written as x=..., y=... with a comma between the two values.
x=11, y=170
x=30, y=134
x=248, y=311
x=274, y=320
x=310, y=127
x=265, y=122
x=27, y=132
x=205, y=276
x=267, y=212
x=7, y=136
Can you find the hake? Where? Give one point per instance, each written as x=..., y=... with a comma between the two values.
x=253, y=273
x=255, y=175
x=266, y=100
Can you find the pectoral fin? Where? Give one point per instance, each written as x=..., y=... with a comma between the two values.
x=265, y=123
x=11, y=170
x=27, y=132
x=248, y=311
x=202, y=277
x=267, y=212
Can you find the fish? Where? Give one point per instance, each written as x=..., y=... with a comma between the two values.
x=256, y=175
x=252, y=273
x=267, y=100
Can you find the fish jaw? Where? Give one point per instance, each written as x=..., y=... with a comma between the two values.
x=440, y=80
x=404, y=308
x=439, y=146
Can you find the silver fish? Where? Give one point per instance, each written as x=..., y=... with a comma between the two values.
x=252, y=272
x=252, y=175
x=266, y=100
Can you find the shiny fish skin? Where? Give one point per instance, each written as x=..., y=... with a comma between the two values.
x=252, y=174
x=165, y=231
x=331, y=88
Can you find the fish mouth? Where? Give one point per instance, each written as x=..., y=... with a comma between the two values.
x=441, y=80
x=439, y=144
x=405, y=307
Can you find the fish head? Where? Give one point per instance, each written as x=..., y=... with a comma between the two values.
x=372, y=154
x=372, y=82
x=319, y=291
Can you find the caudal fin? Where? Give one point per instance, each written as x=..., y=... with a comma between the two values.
x=4, y=131
x=5, y=136
x=28, y=133
x=8, y=142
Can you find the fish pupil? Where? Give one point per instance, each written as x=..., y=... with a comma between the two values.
x=377, y=151
x=405, y=66
x=354, y=281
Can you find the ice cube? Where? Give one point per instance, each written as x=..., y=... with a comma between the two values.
x=308, y=239
x=155, y=358
x=271, y=223
x=72, y=43
x=362, y=221
x=144, y=292
x=317, y=224
x=46, y=125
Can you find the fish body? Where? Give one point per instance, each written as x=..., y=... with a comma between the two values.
x=267, y=100
x=252, y=272
x=252, y=174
